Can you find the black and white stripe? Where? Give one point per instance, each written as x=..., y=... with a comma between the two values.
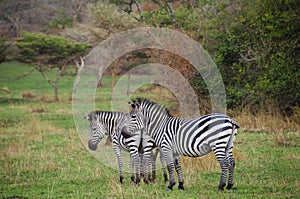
x=194, y=138
x=111, y=123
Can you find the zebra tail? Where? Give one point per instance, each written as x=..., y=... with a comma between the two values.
x=235, y=126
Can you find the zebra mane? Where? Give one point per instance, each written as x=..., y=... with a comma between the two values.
x=94, y=114
x=104, y=112
x=146, y=103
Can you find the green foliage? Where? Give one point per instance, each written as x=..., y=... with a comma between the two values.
x=50, y=52
x=12, y=76
x=3, y=47
x=258, y=55
x=64, y=22
x=160, y=18
x=108, y=19
x=255, y=44
x=186, y=18
x=39, y=48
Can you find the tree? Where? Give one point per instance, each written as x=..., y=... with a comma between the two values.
x=107, y=19
x=50, y=53
x=258, y=55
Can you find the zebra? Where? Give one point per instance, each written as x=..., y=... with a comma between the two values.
x=104, y=122
x=193, y=138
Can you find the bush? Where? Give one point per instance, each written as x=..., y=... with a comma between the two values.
x=3, y=47
x=258, y=57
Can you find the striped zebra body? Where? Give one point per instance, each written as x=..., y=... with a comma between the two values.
x=194, y=138
x=111, y=123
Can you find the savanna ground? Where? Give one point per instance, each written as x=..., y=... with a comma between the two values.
x=42, y=155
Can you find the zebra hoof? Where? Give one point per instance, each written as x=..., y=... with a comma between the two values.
x=146, y=181
x=180, y=186
x=229, y=186
x=121, y=179
x=137, y=181
x=221, y=186
x=132, y=179
x=170, y=186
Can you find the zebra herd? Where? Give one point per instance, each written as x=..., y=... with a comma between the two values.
x=150, y=125
x=102, y=123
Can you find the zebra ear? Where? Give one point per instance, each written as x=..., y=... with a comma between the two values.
x=132, y=105
x=137, y=105
x=89, y=117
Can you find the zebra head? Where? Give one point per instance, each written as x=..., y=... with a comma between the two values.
x=135, y=121
x=97, y=130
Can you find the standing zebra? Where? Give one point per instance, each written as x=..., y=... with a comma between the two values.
x=102, y=123
x=194, y=138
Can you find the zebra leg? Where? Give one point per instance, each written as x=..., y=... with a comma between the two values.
x=153, y=165
x=150, y=165
x=168, y=157
x=136, y=159
x=131, y=166
x=231, y=172
x=163, y=163
x=224, y=166
x=117, y=151
x=220, y=153
x=147, y=167
x=172, y=176
x=178, y=170
x=230, y=159
x=147, y=174
x=142, y=169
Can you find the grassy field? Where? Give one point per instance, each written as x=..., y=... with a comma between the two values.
x=42, y=155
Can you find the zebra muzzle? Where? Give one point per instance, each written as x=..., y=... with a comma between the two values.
x=92, y=146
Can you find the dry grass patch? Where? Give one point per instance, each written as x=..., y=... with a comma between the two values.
x=292, y=156
x=28, y=95
x=208, y=162
x=286, y=139
x=265, y=121
x=34, y=130
x=15, y=149
x=33, y=146
x=5, y=90
x=45, y=98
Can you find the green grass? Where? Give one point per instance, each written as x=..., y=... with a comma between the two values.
x=42, y=155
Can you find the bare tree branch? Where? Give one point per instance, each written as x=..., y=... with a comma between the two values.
x=80, y=67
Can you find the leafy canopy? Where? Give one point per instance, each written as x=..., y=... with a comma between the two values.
x=51, y=50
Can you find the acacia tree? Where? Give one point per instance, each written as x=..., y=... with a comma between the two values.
x=50, y=53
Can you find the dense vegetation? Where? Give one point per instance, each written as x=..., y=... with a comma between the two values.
x=255, y=44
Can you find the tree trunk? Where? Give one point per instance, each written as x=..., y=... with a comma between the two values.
x=58, y=76
x=56, y=99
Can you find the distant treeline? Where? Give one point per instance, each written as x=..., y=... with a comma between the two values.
x=255, y=43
